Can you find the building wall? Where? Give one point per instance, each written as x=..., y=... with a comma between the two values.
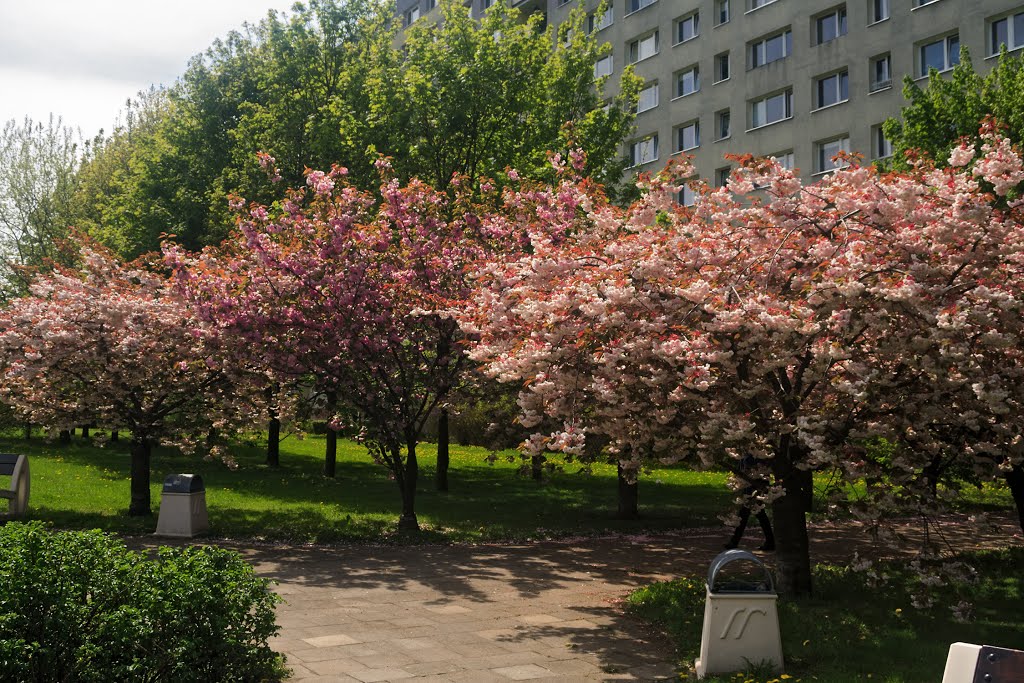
x=909, y=25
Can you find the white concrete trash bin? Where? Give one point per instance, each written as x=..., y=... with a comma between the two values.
x=741, y=620
x=182, y=506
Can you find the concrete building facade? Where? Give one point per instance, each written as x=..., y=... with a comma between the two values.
x=796, y=79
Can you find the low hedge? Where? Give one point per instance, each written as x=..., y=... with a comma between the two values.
x=80, y=606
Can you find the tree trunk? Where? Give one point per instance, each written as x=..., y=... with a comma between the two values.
x=140, y=505
x=28, y=431
x=1015, y=479
x=114, y=436
x=628, y=496
x=274, y=442
x=793, y=558
x=331, y=454
x=407, y=482
x=64, y=436
x=85, y=432
x=442, y=450
x=537, y=467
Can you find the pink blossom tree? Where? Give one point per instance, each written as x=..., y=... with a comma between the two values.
x=113, y=345
x=797, y=325
x=347, y=289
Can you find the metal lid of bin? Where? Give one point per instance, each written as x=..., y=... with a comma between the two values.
x=730, y=556
x=183, y=483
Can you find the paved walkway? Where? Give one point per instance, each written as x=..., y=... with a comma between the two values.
x=544, y=611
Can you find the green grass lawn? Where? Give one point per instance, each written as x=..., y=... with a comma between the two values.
x=81, y=486
x=853, y=632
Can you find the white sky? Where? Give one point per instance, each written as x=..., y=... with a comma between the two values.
x=82, y=59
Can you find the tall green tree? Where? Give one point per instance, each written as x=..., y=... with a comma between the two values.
x=37, y=182
x=952, y=107
x=338, y=83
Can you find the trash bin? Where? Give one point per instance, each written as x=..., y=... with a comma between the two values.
x=182, y=506
x=741, y=620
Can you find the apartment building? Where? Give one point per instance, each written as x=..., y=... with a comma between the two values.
x=799, y=80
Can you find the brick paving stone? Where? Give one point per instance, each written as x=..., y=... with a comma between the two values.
x=523, y=672
x=546, y=611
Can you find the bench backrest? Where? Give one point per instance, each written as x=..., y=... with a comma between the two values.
x=8, y=461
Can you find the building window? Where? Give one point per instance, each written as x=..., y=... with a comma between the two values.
x=688, y=81
x=940, y=54
x=878, y=10
x=722, y=176
x=1008, y=31
x=770, y=109
x=722, y=67
x=881, y=147
x=688, y=28
x=721, y=12
x=832, y=89
x=722, y=124
x=756, y=4
x=430, y=4
x=770, y=49
x=410, y=16
x=603, y=67
x=643, y=48
x=881, y=72
x=688, y=136
x=485, y=5
x=637, y=5
x=687, y=197
x=785, y=159
x=563, y=2
x=827, y=150
x=644, y=151
x=922, y=3
x=648, y=98
x=604, y=21
x=830, y=26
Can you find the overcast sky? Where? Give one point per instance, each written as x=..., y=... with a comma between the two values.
x=81, y=59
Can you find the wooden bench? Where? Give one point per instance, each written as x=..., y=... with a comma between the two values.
x=16, y=467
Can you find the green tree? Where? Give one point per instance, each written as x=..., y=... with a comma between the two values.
x=951, y=108
x=37, y=181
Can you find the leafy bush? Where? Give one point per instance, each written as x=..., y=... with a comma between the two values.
x=79, y=606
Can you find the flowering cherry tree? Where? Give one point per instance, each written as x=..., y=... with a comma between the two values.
x=346, y=288
x=798, y=325
x=113, y=345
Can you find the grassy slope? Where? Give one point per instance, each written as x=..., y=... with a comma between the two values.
x=853, y=632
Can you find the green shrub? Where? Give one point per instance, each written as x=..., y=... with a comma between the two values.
x=79, y=606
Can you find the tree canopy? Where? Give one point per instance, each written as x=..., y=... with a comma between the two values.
x=339, y=83
x=952, y=106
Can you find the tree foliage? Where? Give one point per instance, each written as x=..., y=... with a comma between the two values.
x=112, y=345
x=37, y=186
x=796, y=329
x=951, y=107
x=335, y=83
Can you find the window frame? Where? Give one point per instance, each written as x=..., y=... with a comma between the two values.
x=676, y=81
x=875, y=85
x=842, y=81
x=819, y=151
x=634, y=161
x=753, y=48
x=879, y=143
x=640, y=5
x=786, y=94
x=842, y=24
x=1013, y=41
x=924, y=69
x=610, y=58
x=638, y=43
x=657, y=97
x=695, y=125
x=722, y=8
x=877, y=7
x=718, y=61
x=720, y=116
x=681, y=21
